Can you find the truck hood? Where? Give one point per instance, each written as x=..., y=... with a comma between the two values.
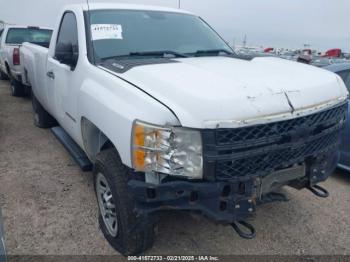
x=212, y=92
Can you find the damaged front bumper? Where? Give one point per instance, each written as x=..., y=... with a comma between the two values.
x=244, y=167
x=229, y=201
x=224, y=202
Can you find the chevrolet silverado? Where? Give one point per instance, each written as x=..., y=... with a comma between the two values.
x=168, y=117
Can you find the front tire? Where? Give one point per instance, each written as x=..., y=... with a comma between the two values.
x=42, y=118
x=117, y=218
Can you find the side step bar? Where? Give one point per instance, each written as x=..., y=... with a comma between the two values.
x=73, y=149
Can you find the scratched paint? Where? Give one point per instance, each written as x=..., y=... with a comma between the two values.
x=274, y=118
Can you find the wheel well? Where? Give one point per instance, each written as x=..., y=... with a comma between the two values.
x=7, y=68
x=107, y=145
x=94, y=139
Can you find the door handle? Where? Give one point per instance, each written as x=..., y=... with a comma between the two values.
x=51, y=74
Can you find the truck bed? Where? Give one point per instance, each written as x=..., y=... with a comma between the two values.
x=34, y=58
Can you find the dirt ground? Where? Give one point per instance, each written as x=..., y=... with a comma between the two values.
x=49, y=205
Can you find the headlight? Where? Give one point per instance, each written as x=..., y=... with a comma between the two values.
x=174, y=151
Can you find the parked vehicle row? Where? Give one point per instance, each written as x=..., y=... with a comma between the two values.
x=343, y=70
x=168, y=117
x=11, y=40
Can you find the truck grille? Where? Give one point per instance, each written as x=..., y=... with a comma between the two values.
x=274, y=131
x=262, y=149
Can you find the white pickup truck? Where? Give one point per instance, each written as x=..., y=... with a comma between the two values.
x=169, y=118
x=11, y=40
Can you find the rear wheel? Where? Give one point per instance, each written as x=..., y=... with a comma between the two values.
x=17, y=89
x=117, y=218
x=3, y=76
x=42, y=118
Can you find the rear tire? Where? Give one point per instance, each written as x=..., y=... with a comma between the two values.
x=129, y=236
x=17, y=89
x=42, y=118
x=3, y=76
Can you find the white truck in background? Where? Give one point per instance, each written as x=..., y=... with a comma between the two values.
x=11, y=40
x=169, y=118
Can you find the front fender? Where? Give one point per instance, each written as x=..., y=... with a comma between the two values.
x=112, y=105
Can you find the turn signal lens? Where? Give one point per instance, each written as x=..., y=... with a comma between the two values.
x=139, y=135
x=139, y=159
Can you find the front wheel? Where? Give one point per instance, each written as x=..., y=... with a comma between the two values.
x=117, y=218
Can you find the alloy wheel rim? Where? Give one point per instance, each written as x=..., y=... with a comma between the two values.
x=106, y=205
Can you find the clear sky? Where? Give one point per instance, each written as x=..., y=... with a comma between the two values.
x=278, y=23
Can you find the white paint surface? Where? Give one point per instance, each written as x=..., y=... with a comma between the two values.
x=195, y=92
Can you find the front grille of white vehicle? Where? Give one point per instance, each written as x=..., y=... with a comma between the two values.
x=262, y=149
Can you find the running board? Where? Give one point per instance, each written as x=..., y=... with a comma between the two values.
x=73, y=149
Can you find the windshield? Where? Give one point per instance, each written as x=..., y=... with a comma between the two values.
x=117, y=33
x=20, y=35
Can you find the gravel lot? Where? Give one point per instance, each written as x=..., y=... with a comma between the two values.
x=49, y=205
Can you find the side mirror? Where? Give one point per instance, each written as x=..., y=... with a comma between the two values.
x=67, y=54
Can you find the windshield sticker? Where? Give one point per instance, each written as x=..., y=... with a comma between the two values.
x=106, y=31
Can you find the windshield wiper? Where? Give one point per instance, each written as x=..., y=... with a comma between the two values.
x=143, y=54
x=158, y=53
x=212, y=52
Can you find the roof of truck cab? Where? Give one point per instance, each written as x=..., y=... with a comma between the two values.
x=15, y=26
x=120, y=6
x=9, y=26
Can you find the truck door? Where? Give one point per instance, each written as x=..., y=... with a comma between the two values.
x=62, y=75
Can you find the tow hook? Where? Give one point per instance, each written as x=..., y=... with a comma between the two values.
x=319, y=191
x=239, y=224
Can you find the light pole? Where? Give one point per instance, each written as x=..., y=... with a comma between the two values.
x=179, y=4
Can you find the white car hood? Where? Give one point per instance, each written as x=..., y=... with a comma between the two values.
x=212, y=92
